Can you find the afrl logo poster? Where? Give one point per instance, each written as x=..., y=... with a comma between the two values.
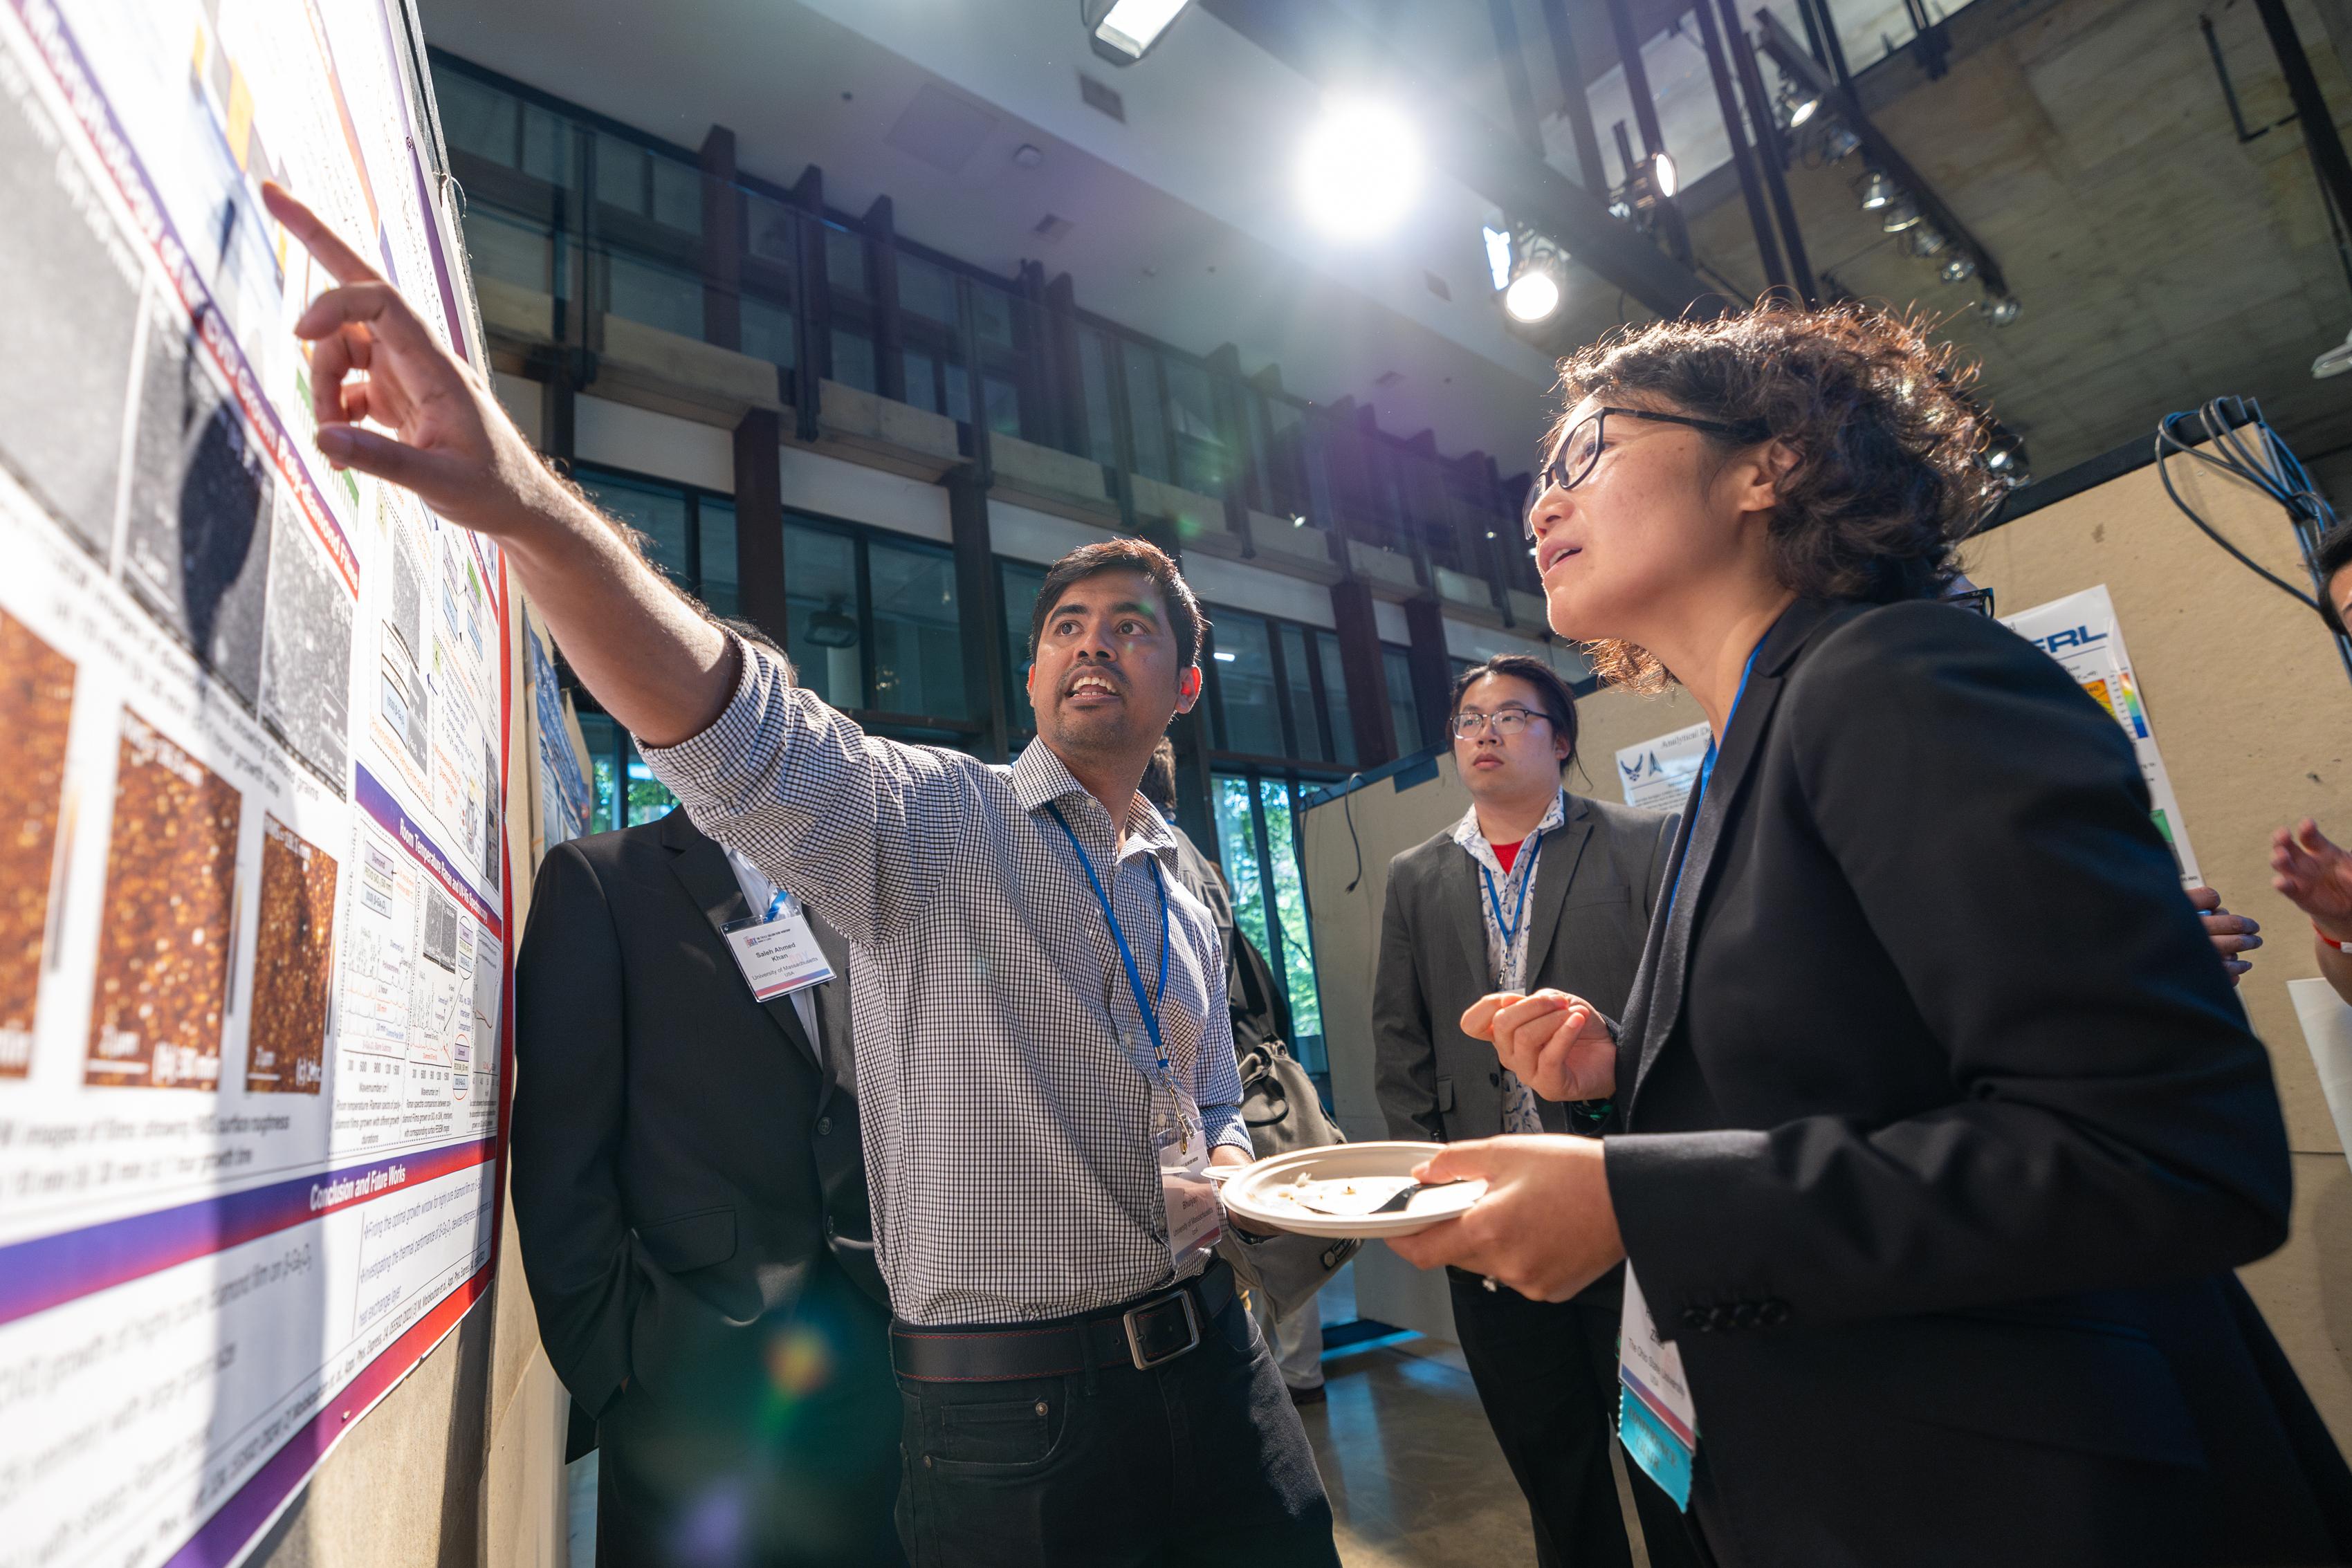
x=253, y=914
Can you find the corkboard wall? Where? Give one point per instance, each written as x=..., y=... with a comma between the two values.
x=2252, y=712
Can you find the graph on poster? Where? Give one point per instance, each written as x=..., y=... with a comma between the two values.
x=253, y=717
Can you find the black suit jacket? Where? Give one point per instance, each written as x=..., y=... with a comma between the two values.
x=683, y=1166
x=1945, y=1129
x=1596, y=882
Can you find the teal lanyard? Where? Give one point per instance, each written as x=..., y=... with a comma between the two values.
x=1526, y=865
x=1126, y=954
x=1706, y=766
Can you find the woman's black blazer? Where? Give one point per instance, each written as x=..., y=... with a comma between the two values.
x=1943, y=1130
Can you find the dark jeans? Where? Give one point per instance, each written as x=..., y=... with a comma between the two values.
x=788, y=1462
x=1546, y=1373
x=1199, y=1461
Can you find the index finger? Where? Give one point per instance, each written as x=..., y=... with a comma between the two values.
x=1479, y=1019
x=342, y=262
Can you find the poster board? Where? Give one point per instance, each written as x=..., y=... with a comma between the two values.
x=254, y=787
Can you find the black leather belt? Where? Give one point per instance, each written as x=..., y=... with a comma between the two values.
x=1150, y=1332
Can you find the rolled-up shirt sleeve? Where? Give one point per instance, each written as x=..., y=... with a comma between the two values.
x=854, y=824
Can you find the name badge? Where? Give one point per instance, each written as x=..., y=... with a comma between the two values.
x=1194, y=1219
x=778, y=954
x=1656, y=1419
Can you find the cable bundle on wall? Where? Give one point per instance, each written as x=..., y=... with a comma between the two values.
x=2241, y=441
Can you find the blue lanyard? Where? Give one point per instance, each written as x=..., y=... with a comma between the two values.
x=1518, y=909
x=1706, y=764
x=775, y=907
x=1126, y=954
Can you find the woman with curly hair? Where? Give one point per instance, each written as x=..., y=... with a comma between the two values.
x=1938, y=1217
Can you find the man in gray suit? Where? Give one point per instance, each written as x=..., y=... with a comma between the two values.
x=1533, y=887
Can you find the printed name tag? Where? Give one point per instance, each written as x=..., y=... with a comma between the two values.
x=778, y=955
x=1195, y=1220
x=1657, y=1420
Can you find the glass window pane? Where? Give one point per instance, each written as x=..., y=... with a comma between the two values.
x=1094, y=373
x=927, y=290
x=1003, y=406
x=917, y=641
x=821, y=631
x=1199, y=446
x=1305, y=723
x=677, y=195
x=657, y=512
x=844, y=262
x=508, y=249
x=1229, y=800
x=1020, y=588
x=958, y=388
x=649, y=798
x=769, y=230
x=546, y=145
x=620, y=173
x=1404, y=713
x=1145, y=426
x=768, y=331
x=718, y=585
x=922, y=376
x=853, y=359
x=604, y=738
x=664, y=296
x=476, y=117
x=992, y=313
x=1245, y=658
x=1297, y=974
x=1335, y=701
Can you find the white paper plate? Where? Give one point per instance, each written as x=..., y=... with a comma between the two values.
x=1255, y=1198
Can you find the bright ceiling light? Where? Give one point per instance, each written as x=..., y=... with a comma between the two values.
x=1663, y=176
x=1794, y=108
x=1123, y=31
x=1533, y=296
x=1961, y=268
x=1806, y=108
x=2002, y=309
x=1359, y=170
x=1898, y=214
x=1876, y=190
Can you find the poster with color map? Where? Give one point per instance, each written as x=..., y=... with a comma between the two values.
x=253, y=894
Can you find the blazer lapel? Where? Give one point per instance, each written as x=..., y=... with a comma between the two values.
x=702, y=866
x=1665, y=964
x=1462, y=896
x=1562, y=851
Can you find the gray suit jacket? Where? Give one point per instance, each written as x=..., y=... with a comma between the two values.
x=1595, y=886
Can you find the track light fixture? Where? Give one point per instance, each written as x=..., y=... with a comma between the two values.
x=1539, y=279
x=1124, y=31
x=1795, y=109
x=2000, y=309
x=1876, y=190
x=1925, y=240
x=1899, y=214
x=2005, y=455
x=1839, y=143
x=1960, y=268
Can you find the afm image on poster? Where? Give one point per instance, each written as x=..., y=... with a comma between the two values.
x=293, y=964
x=167, y=922
x=306, y=663
x=37, y=685
x=66, y=337
x=197, y=549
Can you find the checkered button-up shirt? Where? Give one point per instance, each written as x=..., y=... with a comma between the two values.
x=1004, y=1069
x=1507, y=956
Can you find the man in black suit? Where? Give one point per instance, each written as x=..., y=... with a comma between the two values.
x=690, y=1199
x=1533, y=887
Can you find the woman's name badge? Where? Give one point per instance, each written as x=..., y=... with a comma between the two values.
x=1656, y=1419
x=778, y=954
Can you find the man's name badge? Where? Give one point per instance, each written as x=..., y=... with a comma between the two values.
x=1657, y=1420
x=1195, y=1221
x=778, y=954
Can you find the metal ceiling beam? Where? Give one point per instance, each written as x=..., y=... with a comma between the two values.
x=1322, y=43
x=1796, y=62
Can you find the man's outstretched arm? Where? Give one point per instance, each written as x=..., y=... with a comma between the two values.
x=651, y=659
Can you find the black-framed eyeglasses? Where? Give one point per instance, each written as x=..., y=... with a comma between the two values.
x=1574, y=460
x=1506, y=721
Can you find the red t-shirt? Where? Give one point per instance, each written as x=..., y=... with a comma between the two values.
x=1506, y=853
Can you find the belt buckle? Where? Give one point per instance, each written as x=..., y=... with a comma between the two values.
x=1145, y=1361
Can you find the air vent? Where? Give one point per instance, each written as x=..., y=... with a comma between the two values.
x=1438, y=287
x=1101, y=98
x=941, y=129
x=1052, y=226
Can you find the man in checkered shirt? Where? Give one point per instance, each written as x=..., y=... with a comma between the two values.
x=1077, y=1387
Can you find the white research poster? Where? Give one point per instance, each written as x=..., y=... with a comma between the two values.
x=2080, y=633
x=254, y=906
x=1658, y=775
